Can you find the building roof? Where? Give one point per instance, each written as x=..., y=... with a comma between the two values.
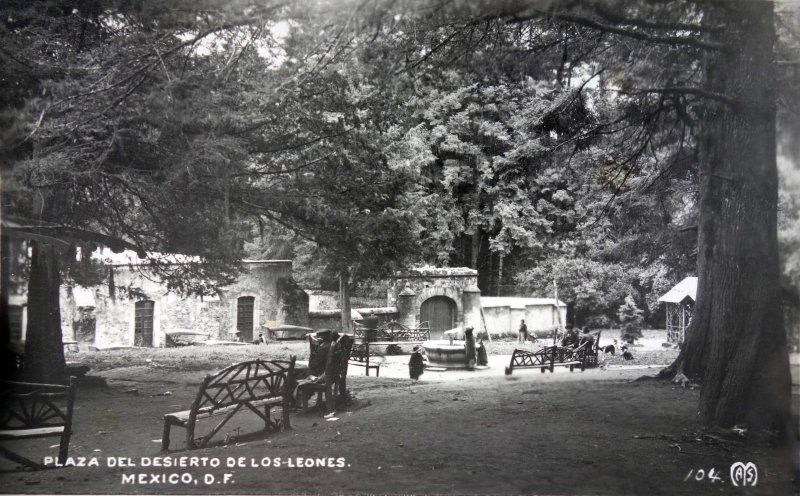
x=687, y=287
x=518, y=302
x=437, y=272
x=130, y=257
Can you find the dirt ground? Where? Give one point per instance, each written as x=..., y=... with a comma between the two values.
x=592, y=432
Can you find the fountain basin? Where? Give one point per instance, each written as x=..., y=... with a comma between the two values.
x=443, y=354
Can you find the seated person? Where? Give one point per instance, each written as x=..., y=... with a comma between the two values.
x=317, y=361
x=571, y=338
x=587, y=338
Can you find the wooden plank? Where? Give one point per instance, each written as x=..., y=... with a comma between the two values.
x=31, y=433
x=183, y=416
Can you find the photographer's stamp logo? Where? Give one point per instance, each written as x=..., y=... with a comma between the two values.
x=744, y=474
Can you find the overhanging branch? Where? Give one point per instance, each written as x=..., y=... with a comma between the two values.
x=608, y=28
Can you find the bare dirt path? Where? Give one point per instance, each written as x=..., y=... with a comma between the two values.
x=594, y=432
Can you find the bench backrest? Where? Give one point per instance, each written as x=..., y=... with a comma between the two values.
x=341, y=355
x=336, y=363
x=244, y=382
x=28, y=405
x=358, y=352
x=395, y=331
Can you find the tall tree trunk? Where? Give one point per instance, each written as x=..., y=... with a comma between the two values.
x=499, y=288
x=344, y=302
x=44, y=351
x=475, y=249
x=736, y=344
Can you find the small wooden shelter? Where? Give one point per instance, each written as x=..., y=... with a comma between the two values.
x=680, y=303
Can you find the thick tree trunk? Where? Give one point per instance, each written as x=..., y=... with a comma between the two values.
x=736, y=345
x=44, y=351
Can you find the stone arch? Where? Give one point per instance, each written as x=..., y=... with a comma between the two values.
x=441, y=312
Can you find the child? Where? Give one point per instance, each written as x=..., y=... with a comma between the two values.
x=483, y=359
x=416, y=365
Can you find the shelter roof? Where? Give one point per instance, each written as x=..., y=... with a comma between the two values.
x=687, y=287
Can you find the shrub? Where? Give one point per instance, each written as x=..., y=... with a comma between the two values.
x=631, y=318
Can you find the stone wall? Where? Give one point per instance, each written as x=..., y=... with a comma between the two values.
x=503, y=314
x=277, y=300
x=331, y=319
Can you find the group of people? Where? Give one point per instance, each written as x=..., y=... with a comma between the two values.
x=571, y=337
x=574, y=340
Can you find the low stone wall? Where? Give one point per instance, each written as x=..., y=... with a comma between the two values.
x=331, y=319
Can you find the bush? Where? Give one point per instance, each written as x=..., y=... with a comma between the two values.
x=631, y=318
x=394, y=349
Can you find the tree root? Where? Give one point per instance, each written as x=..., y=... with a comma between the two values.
x=680, y=378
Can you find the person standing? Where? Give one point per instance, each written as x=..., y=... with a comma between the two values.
x=416, y=365
x=469, y=344
x=522, y=332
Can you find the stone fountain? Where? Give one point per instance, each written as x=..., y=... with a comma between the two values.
x=452, y=353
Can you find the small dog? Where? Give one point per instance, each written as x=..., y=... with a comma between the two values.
x=612, y=348
x=625, y=353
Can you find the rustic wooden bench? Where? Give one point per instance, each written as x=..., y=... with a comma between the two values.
x=360, y=356
x=334, y=381
x=548, y=357
x=593, y=351
x=31, y=410
x=395, y=332
x=252, y=385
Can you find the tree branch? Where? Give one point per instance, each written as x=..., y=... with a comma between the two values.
x=682, y=90
x=591, y=23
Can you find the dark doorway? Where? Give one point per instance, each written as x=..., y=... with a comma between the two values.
x=143, y=324
x=244, y=317
x=440, y=312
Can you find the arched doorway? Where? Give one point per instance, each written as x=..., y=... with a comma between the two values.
x=440, y=311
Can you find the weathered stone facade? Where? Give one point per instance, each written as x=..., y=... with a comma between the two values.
x=457, y=286
x=265, y=281
x=98, y=317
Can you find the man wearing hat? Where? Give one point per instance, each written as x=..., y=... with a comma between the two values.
x=319, y=357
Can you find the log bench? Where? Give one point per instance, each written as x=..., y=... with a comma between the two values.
x=30, y=410
x=549, y=357
x=256, y=385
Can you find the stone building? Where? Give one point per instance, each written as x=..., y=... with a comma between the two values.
x=263, y=293
x=446, y=298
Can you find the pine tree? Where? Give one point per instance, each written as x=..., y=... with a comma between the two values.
x=631, y=318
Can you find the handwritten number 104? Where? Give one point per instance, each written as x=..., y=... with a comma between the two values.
x=700, y=474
